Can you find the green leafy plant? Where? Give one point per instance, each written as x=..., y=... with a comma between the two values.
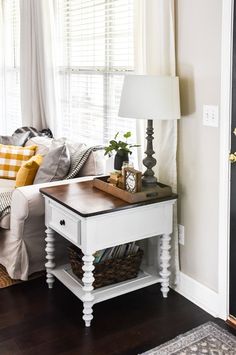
x=120, y=147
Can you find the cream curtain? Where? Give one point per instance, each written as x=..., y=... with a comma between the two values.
x=2, y=73
x=155, y=55
x=38, y=79
x=10, y=117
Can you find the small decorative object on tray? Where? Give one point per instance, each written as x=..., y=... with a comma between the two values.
x=112, y=265
x=116, y=179
x=132, y=180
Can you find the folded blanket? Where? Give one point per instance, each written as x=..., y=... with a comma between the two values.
x=5, y=203
x=77, y=162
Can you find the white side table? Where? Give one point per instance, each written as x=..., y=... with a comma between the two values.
x=93, y=220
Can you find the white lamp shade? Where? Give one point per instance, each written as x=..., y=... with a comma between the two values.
x=150, y=97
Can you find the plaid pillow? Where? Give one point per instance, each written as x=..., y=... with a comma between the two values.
x=11, y=158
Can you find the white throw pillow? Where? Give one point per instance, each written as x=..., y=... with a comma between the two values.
x=43, y=144
x=95, y=165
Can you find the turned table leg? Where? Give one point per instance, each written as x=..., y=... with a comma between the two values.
x=88, y=280
x=164, y=263
x=50, y=256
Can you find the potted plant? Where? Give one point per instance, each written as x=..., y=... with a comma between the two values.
x=122, y=149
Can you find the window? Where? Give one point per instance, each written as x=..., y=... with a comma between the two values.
x=95, y=51
x=10, y=110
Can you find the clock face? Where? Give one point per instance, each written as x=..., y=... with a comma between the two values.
x=131, y=182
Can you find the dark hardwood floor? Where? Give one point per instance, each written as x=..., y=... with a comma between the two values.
x=34, y=320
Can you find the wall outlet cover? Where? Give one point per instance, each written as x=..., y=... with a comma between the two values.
x=181, y=234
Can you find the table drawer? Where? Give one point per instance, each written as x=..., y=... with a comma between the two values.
x=66, y=225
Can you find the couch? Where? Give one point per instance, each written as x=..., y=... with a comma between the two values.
x=22, y=232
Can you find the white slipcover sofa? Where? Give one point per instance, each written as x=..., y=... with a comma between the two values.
x=22, y=232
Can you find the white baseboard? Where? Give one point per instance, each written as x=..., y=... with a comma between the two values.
x=199, y=294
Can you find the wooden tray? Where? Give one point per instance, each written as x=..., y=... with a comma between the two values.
x=147, y=193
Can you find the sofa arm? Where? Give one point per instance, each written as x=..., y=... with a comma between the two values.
x=28, y=204
x=22, y=251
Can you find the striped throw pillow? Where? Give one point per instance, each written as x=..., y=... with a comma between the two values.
x=11, y=159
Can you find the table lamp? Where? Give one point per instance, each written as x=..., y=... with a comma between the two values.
x=150, y=97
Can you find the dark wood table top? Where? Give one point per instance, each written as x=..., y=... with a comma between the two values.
x=86, y=200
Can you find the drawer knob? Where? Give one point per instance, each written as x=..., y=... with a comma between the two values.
x=62, y=222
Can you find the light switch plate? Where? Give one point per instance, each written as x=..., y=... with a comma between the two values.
x=211, y=115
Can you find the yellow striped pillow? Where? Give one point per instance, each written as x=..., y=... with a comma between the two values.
x=11, y=159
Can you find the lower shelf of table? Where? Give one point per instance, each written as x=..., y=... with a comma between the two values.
x=66, y=276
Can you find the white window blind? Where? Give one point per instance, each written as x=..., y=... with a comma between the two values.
x=10, y=111
x=95, y=51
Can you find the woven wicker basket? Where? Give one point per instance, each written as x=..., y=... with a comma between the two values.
x=109, y=271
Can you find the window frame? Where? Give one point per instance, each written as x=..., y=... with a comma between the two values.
x=106, y=71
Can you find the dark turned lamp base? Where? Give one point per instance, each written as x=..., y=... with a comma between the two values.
x=149, y=162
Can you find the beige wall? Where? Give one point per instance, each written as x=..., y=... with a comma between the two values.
x=198, y=31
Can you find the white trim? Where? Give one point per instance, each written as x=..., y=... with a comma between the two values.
x=199, y=294
x=224, y=172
